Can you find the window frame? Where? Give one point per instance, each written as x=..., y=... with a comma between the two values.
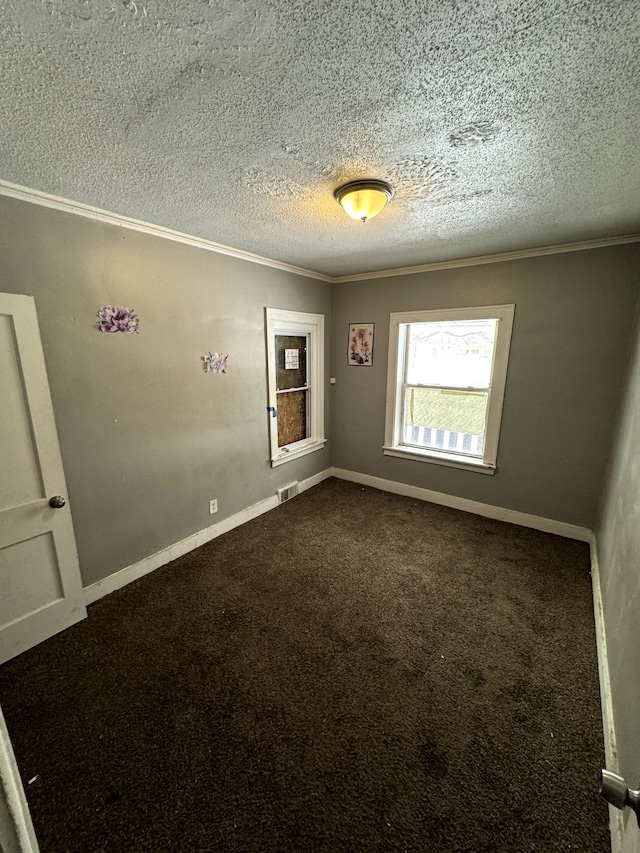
x=393, y=440
x=282, y=322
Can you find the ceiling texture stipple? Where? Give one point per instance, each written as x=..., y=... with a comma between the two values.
x=503, y=125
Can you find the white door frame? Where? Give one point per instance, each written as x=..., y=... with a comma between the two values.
x=16, y=828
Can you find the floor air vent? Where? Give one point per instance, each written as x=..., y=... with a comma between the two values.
x=287, y=492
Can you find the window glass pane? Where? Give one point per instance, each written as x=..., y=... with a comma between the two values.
x=451, y=420
x=458, y=353
x=291, y=361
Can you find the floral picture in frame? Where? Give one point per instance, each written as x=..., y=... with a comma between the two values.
x=361, y=344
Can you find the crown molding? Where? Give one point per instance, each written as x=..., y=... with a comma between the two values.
x=79, y=209
x=558, y=249
x=89, y=212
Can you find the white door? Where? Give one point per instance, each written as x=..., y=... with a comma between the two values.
x=40, y=586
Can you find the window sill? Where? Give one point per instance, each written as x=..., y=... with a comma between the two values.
x=465, y=463
x=286, y=456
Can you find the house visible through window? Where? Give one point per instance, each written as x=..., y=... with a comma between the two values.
x=295, y=346
x=447, y=374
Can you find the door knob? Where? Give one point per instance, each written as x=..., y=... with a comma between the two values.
x=57, y=502
x=614, y=790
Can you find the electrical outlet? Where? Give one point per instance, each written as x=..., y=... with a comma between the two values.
x=213, y=507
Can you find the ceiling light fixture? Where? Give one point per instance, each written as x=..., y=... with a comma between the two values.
x=364, y=199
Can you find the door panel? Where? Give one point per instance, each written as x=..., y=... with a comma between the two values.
x=40, y=586
x=29, y=577
x=20, y=481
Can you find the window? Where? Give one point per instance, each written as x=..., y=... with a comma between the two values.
x=295, y=353
x=445, y=387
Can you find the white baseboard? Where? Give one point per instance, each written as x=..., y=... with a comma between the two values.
x=619, y=843
x=314, y=480
x=137, y=570
x=547, y=525
x=610, y=749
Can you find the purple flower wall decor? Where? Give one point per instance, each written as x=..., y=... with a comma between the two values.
x=214, y=362
x=361, y=344
x=118, y=319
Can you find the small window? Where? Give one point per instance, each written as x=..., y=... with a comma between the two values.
x=445, y=387
x=295, y=351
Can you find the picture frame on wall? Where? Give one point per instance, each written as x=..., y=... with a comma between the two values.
x=360, y=350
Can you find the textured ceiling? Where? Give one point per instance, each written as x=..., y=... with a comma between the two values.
x=503, y=125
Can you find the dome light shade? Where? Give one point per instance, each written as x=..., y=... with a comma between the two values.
x=364, y=199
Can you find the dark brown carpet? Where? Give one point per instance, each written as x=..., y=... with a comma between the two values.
x=354, y=671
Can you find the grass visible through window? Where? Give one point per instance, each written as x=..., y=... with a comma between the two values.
x=458, y=411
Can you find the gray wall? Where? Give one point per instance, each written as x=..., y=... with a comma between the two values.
x=573, y=322
x=618, y=544
x=147, y=437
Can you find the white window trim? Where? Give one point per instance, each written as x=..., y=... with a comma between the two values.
x=393, y=445
x=281, y=322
